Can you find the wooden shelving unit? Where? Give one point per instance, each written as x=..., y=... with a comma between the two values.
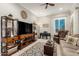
x=12, y=40
x=11, y=44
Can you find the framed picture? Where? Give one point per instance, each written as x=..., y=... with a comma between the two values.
x=45, y=25
x=23, y=14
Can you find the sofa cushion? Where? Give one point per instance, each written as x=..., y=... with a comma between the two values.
x=69, y=52
x=68, y=49
x=77, y=51
x=65, y=44
x=72, y=40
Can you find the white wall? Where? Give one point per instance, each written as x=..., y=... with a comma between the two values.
x=15, y=10
x=75, y=19
x=44, y=20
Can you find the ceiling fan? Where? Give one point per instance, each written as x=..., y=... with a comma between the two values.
x=48, y=4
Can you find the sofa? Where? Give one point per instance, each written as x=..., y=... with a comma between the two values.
x=69, y=46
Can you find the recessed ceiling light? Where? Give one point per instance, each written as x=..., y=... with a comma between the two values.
x=60, y=8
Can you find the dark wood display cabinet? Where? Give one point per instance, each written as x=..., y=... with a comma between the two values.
x=7, y=34
x=12, y=42
x=9, y=46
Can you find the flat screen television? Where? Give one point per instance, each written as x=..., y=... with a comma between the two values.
x=24, y=28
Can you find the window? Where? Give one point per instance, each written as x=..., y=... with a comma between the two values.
x=59, y=24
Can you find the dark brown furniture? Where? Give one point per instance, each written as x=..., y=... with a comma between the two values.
x=12, y=38
x=45, y=34
x=7, y=33
x=23, y=41
x=61, y=35
x=48, y=50
x=56, y=39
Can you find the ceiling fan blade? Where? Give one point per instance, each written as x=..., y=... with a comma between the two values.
x=51, y=4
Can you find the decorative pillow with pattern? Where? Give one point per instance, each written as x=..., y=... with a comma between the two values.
x=72, y=40
x=67, y=38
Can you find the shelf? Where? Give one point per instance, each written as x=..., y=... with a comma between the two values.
x=11, y=42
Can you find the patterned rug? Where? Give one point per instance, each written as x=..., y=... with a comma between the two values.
x=38, y=50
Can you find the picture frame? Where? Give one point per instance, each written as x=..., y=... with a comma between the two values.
x=45, y=25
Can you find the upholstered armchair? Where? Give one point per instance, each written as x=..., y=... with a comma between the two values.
x=60, y=35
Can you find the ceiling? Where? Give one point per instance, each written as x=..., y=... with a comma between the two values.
x=39, y=10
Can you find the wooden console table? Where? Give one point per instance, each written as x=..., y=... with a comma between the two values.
x=12, y=46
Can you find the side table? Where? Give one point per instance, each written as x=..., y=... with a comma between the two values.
x=48, y=50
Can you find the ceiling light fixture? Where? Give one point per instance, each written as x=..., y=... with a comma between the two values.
x=60, y=9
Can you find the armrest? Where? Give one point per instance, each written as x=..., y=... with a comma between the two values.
x=56, y=35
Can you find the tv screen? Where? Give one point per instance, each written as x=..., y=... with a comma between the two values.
x=24, y=28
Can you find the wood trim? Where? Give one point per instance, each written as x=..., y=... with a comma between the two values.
x=20, y=37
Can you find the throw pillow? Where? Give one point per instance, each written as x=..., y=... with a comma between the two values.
x=72, y=40
x=67, y=38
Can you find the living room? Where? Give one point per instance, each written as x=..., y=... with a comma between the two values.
x=39, y=29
